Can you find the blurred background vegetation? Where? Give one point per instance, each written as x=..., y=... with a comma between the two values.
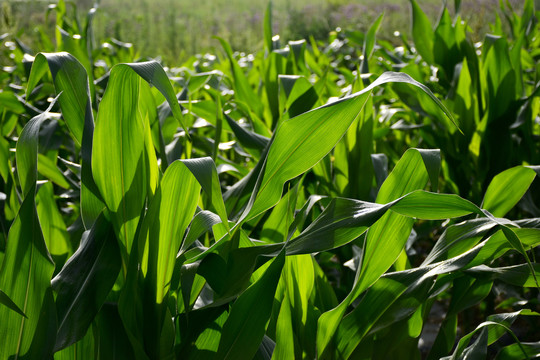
x=177, y=29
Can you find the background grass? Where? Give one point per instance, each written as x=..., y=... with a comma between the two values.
x=176, y=29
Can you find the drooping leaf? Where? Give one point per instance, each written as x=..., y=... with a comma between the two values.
x=204, y=170
x=491, y=330
x=516, y=351
x=302, y=141
x=518, y=275
x=154, y=74
x=71, y=79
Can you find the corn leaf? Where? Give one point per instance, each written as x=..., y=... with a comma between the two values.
x=85, y=281
x=27, y=266
x=422, y=33
x=6, y=301
x=71, y=79
x=387, y=236
x=204, y=170
x=122, y=167
x=52, y=224
x=241, y=334
x=168, y=217
x=154, y=74
x=301, y=142
x=507, y=188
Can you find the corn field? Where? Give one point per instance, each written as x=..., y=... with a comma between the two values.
x=346, y=199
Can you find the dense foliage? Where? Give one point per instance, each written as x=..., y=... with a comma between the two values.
x=347, y=199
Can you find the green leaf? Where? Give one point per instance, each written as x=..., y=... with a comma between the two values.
x=507, y=188
x=299, y=275
x=284, y=332
x=515, y=351
x=27, y=266
x=298, y=95
x=242, y=335
x=393, y=297
x=369, y=43
x=518, y=275
x=208, y=341
x=71, y=80
x=85, y=281
x=243, y=90
x=204, y=170
x=513, y=238
x=154, y=74
x=26, y=154
x=422, y=33
x=251, y=141
x=352, y=165
x=344, y=220
x=84, y=347
x=9, y=100
x=111, y=340
x=43, y=341
x=202, y=222
x=492, y=329
x=168, y=217
x=372, y=306
x=301, y=142
x=434, y=206
x=5, y=168
x=5, y=300
x=387, y=236
x=274, y=65
x=48, y=169
x=276, y=227
x=52, y=224
x=498, y=244
x=268, y=43
x=459, y=238
x=466, y=292
x=130, y=307
x=123, y=158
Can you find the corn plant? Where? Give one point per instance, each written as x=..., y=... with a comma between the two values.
x=270, y=206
